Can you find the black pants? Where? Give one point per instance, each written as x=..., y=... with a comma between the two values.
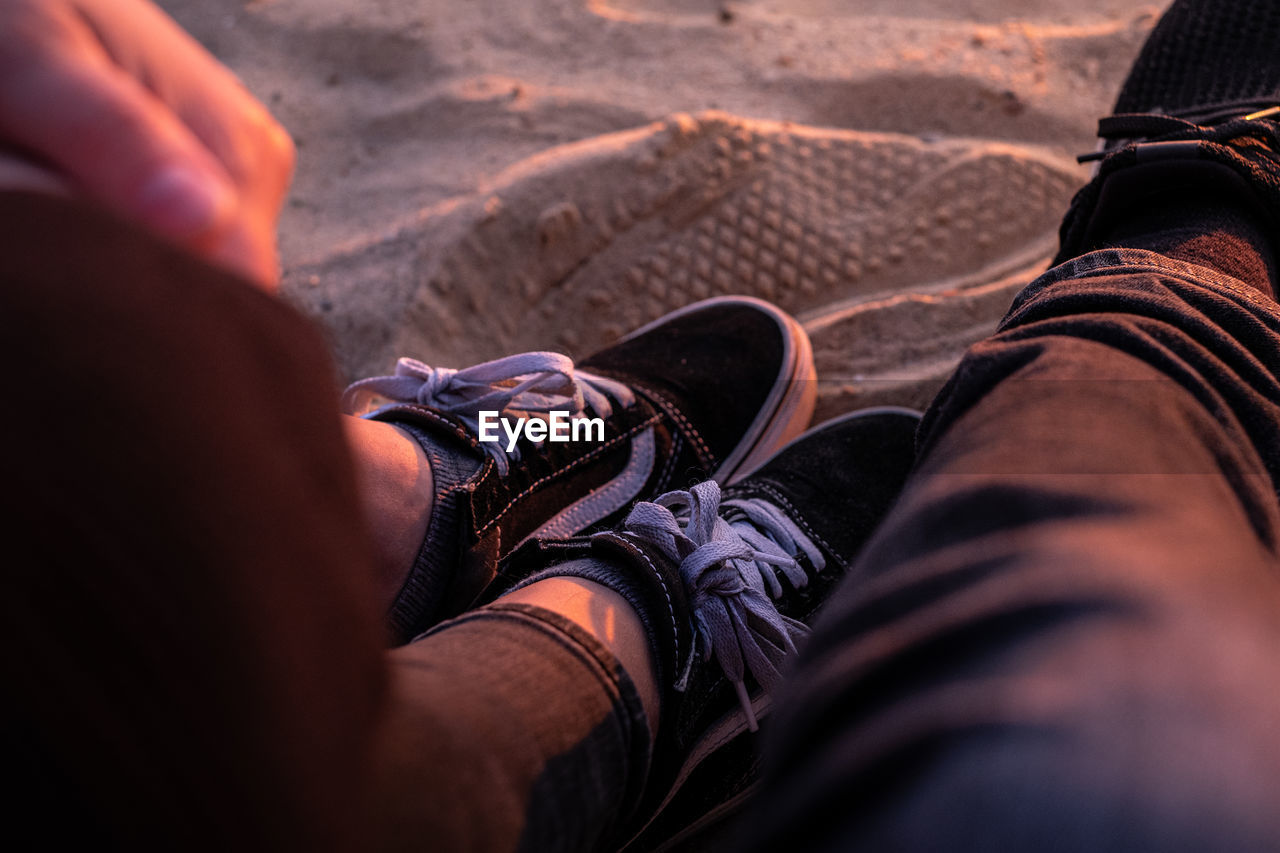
x=1064, y=635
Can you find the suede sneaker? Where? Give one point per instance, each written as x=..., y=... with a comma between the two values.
x=707, y=391
x=1198, y=113
x=725, y=580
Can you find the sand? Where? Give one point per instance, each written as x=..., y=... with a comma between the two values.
x=479, y=177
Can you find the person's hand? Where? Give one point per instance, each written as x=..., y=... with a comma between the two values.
x=112, y=100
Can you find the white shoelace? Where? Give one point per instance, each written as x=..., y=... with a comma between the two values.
x=526, y=385
x=728, y=566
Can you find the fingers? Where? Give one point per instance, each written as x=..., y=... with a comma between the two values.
x=74, y=108
x=134, y=114
x=207, y=98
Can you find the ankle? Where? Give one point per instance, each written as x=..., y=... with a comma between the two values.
x=397, y=493
x=610, y=619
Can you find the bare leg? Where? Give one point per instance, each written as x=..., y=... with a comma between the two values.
x=610, y=619
x=396, y=490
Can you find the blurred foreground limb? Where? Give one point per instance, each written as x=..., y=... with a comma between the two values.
x=112, y=100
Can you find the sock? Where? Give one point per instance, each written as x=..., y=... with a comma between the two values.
x=1208, y=231
x=417, y=605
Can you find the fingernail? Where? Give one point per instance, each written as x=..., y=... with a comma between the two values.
x=184, y=202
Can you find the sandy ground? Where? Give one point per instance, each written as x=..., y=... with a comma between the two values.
x=479, y=177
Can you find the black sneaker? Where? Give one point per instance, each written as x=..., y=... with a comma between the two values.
x=1199, y=112
x=725, y=581
x=708, y=391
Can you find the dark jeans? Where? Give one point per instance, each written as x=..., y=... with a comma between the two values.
x=1066, y=636
x=1062, y=637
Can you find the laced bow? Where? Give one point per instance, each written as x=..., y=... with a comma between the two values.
x=727, y=565
x=526, y=385
x=1155, y=127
